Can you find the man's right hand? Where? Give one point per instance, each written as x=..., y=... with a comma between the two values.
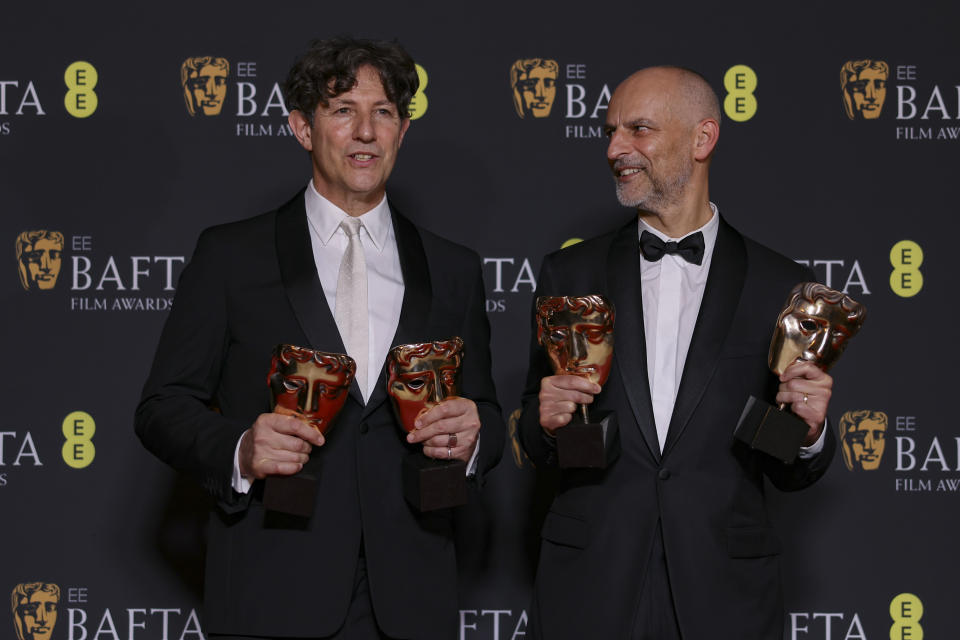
x=559, y=397
x=276, y=445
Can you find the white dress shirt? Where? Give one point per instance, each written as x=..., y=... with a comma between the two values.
x=672, y=290
x=384, y=276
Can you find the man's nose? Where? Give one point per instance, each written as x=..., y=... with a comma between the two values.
x=210, y=87
x=617, y=145
x=870, y=92
x=45, y=261
x=364, y=131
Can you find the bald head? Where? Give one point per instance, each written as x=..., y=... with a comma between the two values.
x=687, y=95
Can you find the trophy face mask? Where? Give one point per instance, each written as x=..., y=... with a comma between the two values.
x=421, y=376
x=310, y=385
x=577, y=333
x=814, y=326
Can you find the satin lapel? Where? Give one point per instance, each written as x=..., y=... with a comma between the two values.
x=721, y=296
x=630, y=345
x=298, y=272
x=417, y=296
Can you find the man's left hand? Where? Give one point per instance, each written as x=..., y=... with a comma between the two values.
x=448, y=430
x=807, y=388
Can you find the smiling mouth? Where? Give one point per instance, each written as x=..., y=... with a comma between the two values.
x=362, y=157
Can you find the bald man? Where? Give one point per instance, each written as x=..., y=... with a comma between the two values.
x=672, y=540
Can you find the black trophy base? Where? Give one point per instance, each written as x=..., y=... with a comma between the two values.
x=293, y=495
x=592, y=445
x=768, y=429
x=430, y=484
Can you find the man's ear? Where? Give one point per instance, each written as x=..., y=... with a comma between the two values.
x=404, y=125
x=301, y=128
x=708, y=132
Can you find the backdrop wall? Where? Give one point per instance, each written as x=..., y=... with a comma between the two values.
x=99, y=149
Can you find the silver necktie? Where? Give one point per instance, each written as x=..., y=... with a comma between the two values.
x=351, y=306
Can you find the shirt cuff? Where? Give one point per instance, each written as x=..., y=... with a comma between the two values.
x=808, y=452
x=472, y=465
x=240, y=483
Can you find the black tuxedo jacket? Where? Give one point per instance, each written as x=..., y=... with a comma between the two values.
x=249, y=286
x=705, y=490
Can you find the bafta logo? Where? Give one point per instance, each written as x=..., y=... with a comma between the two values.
x=862, y=438
x=864, y=87
x=204, y=80
x=534, y=83
x=39, y=255
x=35, y=609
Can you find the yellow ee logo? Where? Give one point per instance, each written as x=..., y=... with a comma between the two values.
x=78, y=429
x=80, y=78
x=571, y=242
x=906, y=611
x=906, y=257
x=740, y=81
x=419, y=102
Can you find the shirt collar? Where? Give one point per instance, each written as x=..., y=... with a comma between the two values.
x=325, y=218
x=709, y=231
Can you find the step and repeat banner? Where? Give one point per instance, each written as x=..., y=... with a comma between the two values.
x=126, y=131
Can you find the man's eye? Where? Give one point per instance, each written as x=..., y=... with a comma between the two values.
x=857, y=436
x=292, y=385
x=558, y=335
x=859, y=86
x=808, y=325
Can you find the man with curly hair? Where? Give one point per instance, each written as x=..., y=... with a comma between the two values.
x=336, y=269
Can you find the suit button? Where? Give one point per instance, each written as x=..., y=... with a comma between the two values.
x=364, y=428
x=664, y=474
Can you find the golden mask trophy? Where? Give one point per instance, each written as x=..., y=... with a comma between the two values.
x=577, y=332
x=814, y=326
x=419, y=377
x=312, y=386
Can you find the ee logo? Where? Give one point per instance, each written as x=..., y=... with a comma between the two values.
x=80, y=100
x=740, y=81
x=419, y=102
x=78, y=429
x=906, y=257
x=906, y=611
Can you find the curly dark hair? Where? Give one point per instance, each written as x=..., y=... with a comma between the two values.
x=329, y=68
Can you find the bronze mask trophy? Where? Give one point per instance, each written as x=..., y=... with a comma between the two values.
x=419, y=377
x=577, y=332
x=312, y=386
x=814, y=326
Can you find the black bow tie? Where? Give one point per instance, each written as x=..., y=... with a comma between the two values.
x=690, y=248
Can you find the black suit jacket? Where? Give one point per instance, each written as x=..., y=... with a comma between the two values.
x=249, y=286
x=705, y=490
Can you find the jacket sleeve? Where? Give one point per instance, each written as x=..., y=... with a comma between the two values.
x=176, y=418
x=477, y=378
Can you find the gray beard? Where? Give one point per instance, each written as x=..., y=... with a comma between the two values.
x=661, y=192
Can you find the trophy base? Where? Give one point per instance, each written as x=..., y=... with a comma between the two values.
x=766, y=428
x=592, y=445
x=293, y=495
x=430, y=484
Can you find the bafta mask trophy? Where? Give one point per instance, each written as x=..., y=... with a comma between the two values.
x=577, y=332
x=312, y=386
x=814, y=326
x=419, y=377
